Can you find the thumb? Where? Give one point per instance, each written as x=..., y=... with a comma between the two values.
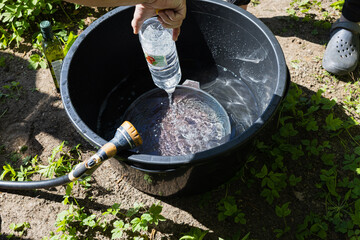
x=176, y=33
x=136, y=22
x=140, y=15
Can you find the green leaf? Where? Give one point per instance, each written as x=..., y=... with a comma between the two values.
x=262, y=173
x=114, y=210
x=246, y=236
x=357, y=151
x=294, y=180
x=194, y=234
x=155, y=212
x=328, y=159
x=332, y=124
x=132, y=211
x=288, y=130
x=312, y=125
x=356, y=216
x=139, y=224
x=8, y=169
x=69, y=42
x=230, y=208
x=117, y=232
x=240, y=218
x=283, y=211
x=147, y=217
x=90, y=221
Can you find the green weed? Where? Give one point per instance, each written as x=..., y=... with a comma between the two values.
x=282, y=212
x=313, y=226
x=18, y=16
x=12, y=91
x=77, y=223
x=307, y=9
x=194, y=234
x=338, y=5
x=228, y=208
x=60, y=163
x=19, y=229
x=272, y=182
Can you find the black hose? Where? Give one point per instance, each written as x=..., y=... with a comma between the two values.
x=125, y=137
x=27, y=185
x=34, y=185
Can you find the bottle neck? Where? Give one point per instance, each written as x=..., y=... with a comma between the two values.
x=46, y=31
x=47, y=36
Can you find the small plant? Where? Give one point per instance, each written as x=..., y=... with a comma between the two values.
x=17, y=17
x=273, y=183
x=60, y=163
x=294, y=180
x=282, y=212
x=37, y=61
x=228, y=208
x=352, y=100
x=237, y=236
x=307, y=10
x=313, y=225
x=338, y=5
x=19, y=228
x=20, y=17
x=194, y=234
x=255, y=2
x=75, y=222
x=333, y=124
x=23, y=173
x=153, y=216
x=13, y=90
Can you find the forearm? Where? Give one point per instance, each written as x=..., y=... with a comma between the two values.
x=108, y=3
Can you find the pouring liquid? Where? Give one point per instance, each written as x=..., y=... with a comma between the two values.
x=183, y=125
x=170, y=98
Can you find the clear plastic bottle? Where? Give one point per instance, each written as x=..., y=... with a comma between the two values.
x=161, y=55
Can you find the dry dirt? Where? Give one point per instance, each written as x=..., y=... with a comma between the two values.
x=37, y=119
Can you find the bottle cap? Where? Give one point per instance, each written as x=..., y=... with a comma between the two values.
x=45, y=27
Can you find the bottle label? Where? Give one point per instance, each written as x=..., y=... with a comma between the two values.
x=57, y=69
x=157, y=61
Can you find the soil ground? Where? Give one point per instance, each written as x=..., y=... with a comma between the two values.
x=37, y=119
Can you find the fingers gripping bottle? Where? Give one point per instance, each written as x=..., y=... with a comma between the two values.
x=161, y=55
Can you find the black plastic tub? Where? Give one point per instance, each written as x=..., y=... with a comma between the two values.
x=231, y=53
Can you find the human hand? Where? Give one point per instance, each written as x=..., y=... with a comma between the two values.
x=171, y=16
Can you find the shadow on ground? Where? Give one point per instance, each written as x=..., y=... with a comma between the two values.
x=287, y=26
x=30, y=107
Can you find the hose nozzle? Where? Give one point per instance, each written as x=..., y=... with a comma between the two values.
x=126, y=137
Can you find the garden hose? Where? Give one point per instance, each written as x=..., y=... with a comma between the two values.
x=126, y=137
